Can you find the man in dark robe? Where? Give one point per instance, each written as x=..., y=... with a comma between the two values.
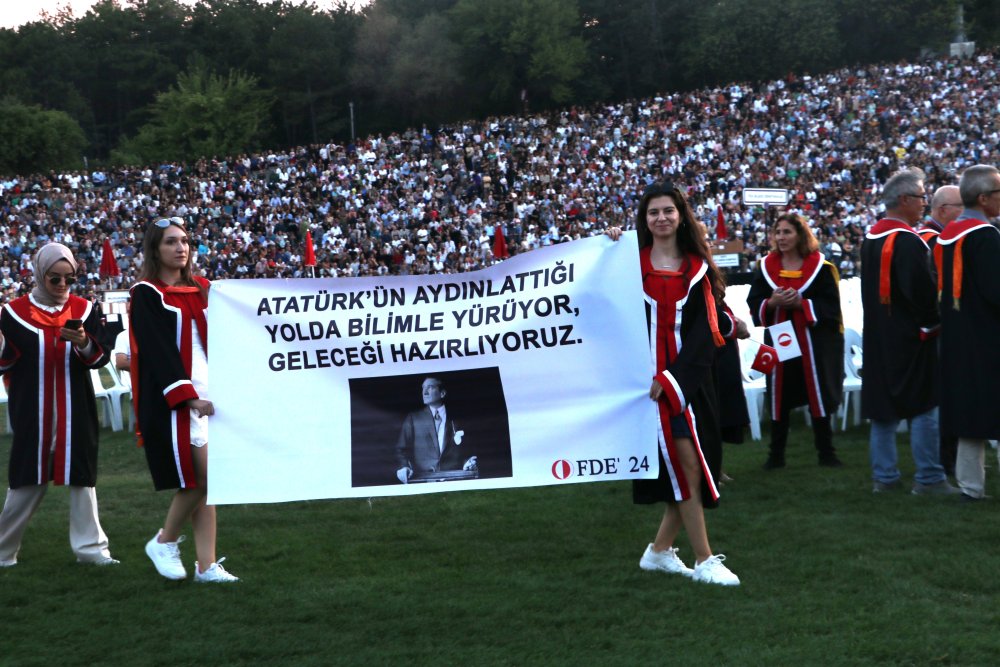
x=969, y=284
x=901, y=323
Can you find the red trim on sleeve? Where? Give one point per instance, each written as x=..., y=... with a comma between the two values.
x=182, y=392
x=809, y=311
x=671, y=392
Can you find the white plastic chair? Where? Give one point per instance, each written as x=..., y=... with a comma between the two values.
x=754, y=385
x=852, y=376
x=110, y=401
x=6, y=406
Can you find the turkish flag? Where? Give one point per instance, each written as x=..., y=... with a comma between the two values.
x=766, y=359
x=109, y=265
x=500, y=244
x=310, y=253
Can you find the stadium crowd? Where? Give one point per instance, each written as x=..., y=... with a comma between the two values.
x=424, y=201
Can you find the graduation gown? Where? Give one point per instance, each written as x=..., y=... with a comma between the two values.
x=160, y=319
x=816, y=378
x=901, y=323
x=970, y=320
x=683, y=348
x=51, y=395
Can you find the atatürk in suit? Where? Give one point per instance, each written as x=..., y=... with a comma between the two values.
x=429, y=440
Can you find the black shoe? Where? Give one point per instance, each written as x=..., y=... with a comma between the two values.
x=966, y=498
x=774, y=462
x=830, y=461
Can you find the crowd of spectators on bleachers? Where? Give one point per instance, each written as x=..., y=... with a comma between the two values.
x=423, y=201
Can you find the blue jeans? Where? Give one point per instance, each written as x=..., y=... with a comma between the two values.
x=924, y=442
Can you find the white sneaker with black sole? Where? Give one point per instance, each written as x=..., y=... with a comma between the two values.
x=664, y=561
x=166, y=556
x=713, y=571
x=214, y=574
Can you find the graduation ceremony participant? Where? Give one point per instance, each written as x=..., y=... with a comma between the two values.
x=969, y=287
x=51, y=341
x=683, y=285
x=901, y=325
x=795, y=283
x=170, y=378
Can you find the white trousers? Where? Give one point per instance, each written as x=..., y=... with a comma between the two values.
x=970, y=466
x=86, y=537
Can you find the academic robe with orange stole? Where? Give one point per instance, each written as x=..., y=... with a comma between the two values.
x=161, y=319
x=53, y=412
x=966, y=255
x=901, y=323
x=816, y=378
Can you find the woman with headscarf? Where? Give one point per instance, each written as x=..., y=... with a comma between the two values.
x=51, y=341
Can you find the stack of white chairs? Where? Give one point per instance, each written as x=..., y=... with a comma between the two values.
x=852, y=377
x=754, y=382
x=110, y=397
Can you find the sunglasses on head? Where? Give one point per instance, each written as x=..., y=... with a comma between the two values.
x=163, y=223
x=664, y=188
x=56, y=279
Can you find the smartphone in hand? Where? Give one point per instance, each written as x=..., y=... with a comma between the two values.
x=73, y=324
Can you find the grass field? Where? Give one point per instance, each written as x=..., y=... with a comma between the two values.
x=832, y=575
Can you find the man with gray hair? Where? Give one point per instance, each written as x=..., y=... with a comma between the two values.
x=899, y=297
x=969, y=283
x=946, y=204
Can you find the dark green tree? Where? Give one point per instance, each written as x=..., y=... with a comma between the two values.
x=204, y=115
x=520, y=49
x=33, y=139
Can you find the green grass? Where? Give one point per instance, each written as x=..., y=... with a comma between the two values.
x=832, y=575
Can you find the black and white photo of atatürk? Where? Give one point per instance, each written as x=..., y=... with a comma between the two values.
x=430, y=427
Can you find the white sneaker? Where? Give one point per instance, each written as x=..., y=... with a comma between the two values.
x=712, y=571
x=166, y=556
x=665, y=561
x=214, y=574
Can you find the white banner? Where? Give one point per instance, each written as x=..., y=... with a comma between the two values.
x=324, y=388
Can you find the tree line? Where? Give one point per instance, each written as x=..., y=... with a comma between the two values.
x=155, y=80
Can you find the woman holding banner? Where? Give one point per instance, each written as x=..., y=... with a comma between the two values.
x=170, y=377
x=795, y=283
x=684, y=292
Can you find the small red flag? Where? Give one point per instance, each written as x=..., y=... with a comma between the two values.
x=310, y=253
x=500, y=244
x=109, y=265
x=766, y=359
x=721, y=233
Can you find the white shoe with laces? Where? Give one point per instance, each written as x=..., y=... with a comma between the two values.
x=713, y=571
x=214, y=574
x=166, y=556
x=664, y=561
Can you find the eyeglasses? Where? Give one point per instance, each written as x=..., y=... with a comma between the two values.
x=918, y=196
x=56, y=278
x=958, y=205
x=163, y=223
x=991, y=192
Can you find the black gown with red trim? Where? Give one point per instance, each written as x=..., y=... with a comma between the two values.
x=816, y=378
x=160, y=320
x=970, y=355
x=901, y=323
x=683, y=348
x=50, y=393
